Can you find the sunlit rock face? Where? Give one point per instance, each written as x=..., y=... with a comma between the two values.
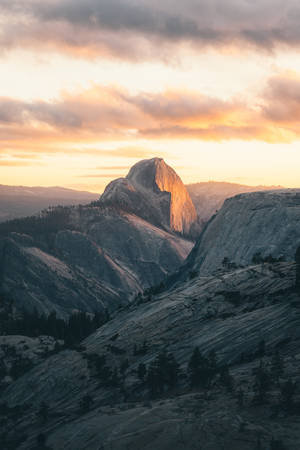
x=100, y=256
x=154, y=191
x=267, y=223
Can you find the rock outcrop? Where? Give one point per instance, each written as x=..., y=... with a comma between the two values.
x=155, y=184
x=201, y=312
x=262, y=223
x=99, y=256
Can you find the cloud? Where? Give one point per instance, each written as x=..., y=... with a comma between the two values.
x=173, y=106
x=107, y=111
x=139, y=29
x=17, y=163
x=113, y=114
x=282, y=100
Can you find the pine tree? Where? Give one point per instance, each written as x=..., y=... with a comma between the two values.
x=240, y=397
x=199, y=370
x=43, y=411
x=142, y=371
x=277, y=444
x=85, y=403
x=171, y=370
x=212, y=361
x=226, y=378
x=297, y=258
x=261, y=348
x=162, y=373
x=287, y=391
x=277, y=366
x=124, y=367
x=262, y=384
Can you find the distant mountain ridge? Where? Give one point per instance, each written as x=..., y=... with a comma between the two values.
x=208, y=197
x=21, y=201
x=97, y=256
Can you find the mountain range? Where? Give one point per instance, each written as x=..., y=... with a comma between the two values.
x=232, y=296
x=103, y=254
x=21, y=201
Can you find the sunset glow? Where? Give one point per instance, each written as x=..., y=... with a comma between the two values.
x=88, y=88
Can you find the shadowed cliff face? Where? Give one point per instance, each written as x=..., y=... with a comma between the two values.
x=155, y=192
x=265, y=223
x=100, y=257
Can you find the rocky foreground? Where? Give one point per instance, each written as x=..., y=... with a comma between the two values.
x=245, y=315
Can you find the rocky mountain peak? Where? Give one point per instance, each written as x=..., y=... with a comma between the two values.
x=146, y=173
x=153, y=191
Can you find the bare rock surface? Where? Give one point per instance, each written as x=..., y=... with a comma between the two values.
x=154, y=191
x=99, y=256
x=201, y=313
x=266, y=222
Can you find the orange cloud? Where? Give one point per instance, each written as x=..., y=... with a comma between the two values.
x=18, y=163
x=113, y=114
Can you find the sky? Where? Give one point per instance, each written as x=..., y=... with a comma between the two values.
x=90, y=87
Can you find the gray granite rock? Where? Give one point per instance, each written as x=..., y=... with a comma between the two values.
x=263, y=222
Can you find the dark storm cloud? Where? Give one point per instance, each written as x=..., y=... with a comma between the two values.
x=140, y=29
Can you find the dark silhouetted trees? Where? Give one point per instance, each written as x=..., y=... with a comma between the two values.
x=277, y=366
x=85, y=404
x=141, y=371
x=43, y=412
x=74, y=330
x=277, y=444
x=297, y=258
x=201, y=370
x=262, y=384
x=226, y=379
x=162, y=374
x=287, y=391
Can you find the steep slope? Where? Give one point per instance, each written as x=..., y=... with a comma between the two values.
x=266, y=223
x=52, y=261
x=21, y=201
x=153, y=183
x=208, y=197
x=201, y=312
